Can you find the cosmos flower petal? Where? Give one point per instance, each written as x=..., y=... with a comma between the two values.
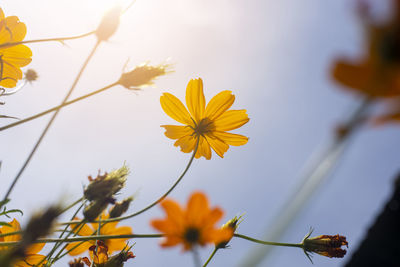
x=30, y=260
x=219, y=104
x=78, y=250
x=35, y=248
x=187, y=143
x=19, y=55
x=173, y=211
x=17, y=28
x=203, y=149
x=353, y=76
x=232, y=139
x=171, y=241
x=175, y=109
x=195, y=99
x=176, y=132
x=197, y=209
x=217, y=145
x=230, y=120
x=15, y=226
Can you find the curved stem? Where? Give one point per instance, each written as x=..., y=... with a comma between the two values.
x=296, y=245
x=84, y=238
x=57, y=107
x=50, y=122
x=10, y=44
x=211, y=256
x=155, y=202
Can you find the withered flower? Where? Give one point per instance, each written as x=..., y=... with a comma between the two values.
x=143, y=75
x=325, y=245
x=31, y=75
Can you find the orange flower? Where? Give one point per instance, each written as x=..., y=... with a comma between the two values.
x=31, y=257
x=378, y=74
x=12, y=58
x=107, y=229
x=193, y=226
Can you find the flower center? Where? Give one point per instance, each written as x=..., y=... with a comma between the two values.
x=192, y=235
x=205, y=126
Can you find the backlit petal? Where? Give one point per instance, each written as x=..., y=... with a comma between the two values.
x=197, y=209
x=187, y=143
x=204, y=149
x=217, y=145
x=35, y=248
x=231, y=139
x=230, y=120
x=176, y=132
x=195, y=100
x=175, y=109
x=219, y=104
x=30, y=260
x=78, y=250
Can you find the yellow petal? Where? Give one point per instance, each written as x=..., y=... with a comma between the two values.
x=174, y=212
x=230, y=120
x=19, y=55
x=35, y=248
x=217, y=145
x=78, y=250
x=84, y=231
x=9, y=229
x=195, y=100
x=176, y=132
x=30, y=260
x=231, y=139
x=187, y=143
x=175, y=109
x=17, y=28
x=204, y=149
x=219, y=104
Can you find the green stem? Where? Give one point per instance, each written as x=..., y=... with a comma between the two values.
x=57, y=107
x=38, y=142
x=10, y=44
x=84, y=238
x=11, y=233
x=155, y=202
x=296, y=245
x=211, y=256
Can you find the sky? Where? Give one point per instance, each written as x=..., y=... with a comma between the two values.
x=275, y=56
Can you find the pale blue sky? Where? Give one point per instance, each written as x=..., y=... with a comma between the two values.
x=274, y=55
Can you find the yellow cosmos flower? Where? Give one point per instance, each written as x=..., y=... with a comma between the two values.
x=14, y=57
x=32, y=258
x=193, y=226
x=107, y=229
x=207, y=125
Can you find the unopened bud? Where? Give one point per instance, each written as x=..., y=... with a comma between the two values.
x=326, y=245
x=31, y=75
x=109, y=24
x=230, y=227
x=120, y=207
x=119, y=259
x=94, y=209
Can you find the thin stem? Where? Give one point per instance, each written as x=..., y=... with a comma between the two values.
x=196, y=256
x=72, y=205
x=318, y=171
x=211, y=256
x=11, y=233
x=57, y=245
x=296, y=245
x=57, y=107
x=158, y=200
x=85, y=238
x=10, y=44
x=50, y=122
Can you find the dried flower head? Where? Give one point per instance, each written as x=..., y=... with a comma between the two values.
x=104, y=187
x=325, y=245
x=31, y=75
x=109, y=24
x=143, y=75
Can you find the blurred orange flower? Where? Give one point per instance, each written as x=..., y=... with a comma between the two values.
x=206, y=125
x=12, y=58
x=32, y=258
x=378, y=74
x=193, y=226
x=107, y=229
